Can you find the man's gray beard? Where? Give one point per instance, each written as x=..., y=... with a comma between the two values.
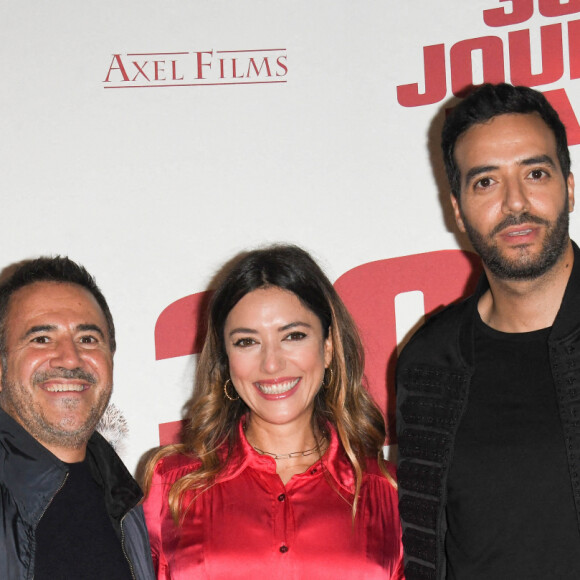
x=529, y=268
x=31, y=416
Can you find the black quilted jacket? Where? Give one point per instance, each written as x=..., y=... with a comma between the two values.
x=433, y=378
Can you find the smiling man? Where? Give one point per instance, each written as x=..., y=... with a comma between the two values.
x=69, y=507
x=489, y=389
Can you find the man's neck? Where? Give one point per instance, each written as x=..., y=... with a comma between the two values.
x=69, y=454
x=526, y=305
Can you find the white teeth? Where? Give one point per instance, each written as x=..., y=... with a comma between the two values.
x=522, y=233
x=60, y=388
x=277, y=389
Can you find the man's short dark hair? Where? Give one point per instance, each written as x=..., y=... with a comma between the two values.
x=58, y=269
x=488, y=101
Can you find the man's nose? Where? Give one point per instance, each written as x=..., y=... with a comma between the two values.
x=66, y=354
x=515, y=199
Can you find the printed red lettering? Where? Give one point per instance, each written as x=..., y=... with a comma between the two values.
x=252, y=65
x=559, y=8
x=435, y=82
x=462, y=65
x=180, y=328
x=234, y=62
x=574, y=48
x=521, y=60
x=140, y=70
x=369, y=294
x=201, y=63
x=170, y=433
x=158, y=66
x=120, y=67
x=282, y=65
x=560, y=101
x=174, y=71
x=521, y=10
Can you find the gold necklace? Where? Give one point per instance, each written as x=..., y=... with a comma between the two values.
x=305, y=453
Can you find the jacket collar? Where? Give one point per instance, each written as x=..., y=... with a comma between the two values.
x=567, y=318
x=31, y=472
x=121, y=491
x=34, y=475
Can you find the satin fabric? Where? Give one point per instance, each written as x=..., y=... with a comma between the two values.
x=250, y=525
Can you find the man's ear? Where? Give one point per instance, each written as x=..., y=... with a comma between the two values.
x=570, y=188
x=457, y=213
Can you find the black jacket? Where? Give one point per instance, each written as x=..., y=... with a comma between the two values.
x=30, y=476
x=433, y=378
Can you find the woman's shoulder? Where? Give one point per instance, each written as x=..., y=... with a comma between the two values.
x=373, y=470
x=172, y=467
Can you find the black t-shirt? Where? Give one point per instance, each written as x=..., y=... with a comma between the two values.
x=75, y=537
x=510, y=507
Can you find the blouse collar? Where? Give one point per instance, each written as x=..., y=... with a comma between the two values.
x=334, y=462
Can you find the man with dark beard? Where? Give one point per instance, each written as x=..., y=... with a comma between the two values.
x=68, y=506
x=488, y=402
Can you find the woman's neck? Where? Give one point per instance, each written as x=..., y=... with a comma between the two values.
x=295, y=446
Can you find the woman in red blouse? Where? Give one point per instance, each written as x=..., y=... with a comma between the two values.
x=281, y=469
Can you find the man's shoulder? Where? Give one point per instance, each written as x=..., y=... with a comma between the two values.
x=438, y=331
x=16, y=440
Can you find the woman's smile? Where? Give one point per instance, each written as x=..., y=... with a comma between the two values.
x=277, y=386
x=277, y=353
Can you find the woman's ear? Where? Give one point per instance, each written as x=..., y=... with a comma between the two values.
x=328, y=348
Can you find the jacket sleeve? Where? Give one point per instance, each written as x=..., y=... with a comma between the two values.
x=136, y=544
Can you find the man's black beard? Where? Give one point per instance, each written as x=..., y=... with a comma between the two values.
x=527, y=268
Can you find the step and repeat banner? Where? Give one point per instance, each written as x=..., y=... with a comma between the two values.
x=153, y=141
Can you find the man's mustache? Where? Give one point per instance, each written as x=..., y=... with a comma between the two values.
x=60, y=373
x=517, y=220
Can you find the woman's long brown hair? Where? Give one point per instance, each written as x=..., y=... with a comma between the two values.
x=212, y=420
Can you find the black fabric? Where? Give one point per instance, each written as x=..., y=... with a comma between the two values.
x=119, y=488
x=434, y=371
x=31, y=476
x=510, y=508
x=75, y=537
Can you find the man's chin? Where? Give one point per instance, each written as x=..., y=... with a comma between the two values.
x=526, y=267
x=70, y=432
x=67, y=439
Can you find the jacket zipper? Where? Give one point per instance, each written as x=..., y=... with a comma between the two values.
x=123, y=548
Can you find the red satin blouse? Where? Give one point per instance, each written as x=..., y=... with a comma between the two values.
x=250, y=525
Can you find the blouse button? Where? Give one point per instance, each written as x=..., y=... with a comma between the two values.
x=281, y=497
x=283, y=549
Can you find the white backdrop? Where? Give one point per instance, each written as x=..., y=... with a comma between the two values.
x=154, y=184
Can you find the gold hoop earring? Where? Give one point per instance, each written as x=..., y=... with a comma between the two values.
x=226, y=391
x=326, y=383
